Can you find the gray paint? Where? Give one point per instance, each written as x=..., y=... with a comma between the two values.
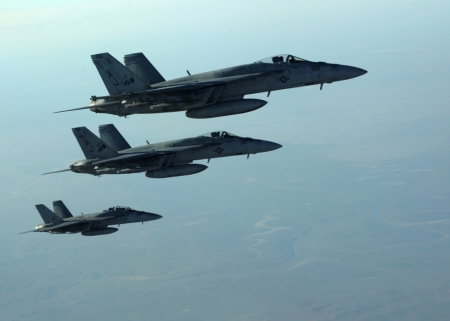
x=89, y=224
x=61, y=210
x=143, y=68
x=103, y=159
x=134, y=89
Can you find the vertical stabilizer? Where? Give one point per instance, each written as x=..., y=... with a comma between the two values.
x=61, y=210
x=48, y=216
x=141, y=66
x=117, y=78
x=91, y=145
x=111, y=136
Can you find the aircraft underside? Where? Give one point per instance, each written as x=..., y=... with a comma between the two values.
x=194, y=109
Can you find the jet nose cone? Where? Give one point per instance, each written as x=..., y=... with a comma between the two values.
x=353, y=72
x=151, y=216
x=276, y=146
x=361, y=71
x=269, y=146
x=348, y=72
x=156, y=216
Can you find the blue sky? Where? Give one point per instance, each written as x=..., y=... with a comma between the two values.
x=349, y=220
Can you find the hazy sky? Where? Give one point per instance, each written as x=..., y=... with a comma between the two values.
x=348, y=221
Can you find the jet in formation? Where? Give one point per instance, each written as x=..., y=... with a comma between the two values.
x=61, y=221
x=111, y=153
x=138, y=88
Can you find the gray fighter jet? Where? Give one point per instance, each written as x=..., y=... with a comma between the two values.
x=138, y=88
x=113, y=155
x=61, y=221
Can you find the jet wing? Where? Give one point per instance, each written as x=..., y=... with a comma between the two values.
x=131, y=156
x=153, y=154
x=27, y=232
x=158, y=90
x=174, y=89
x=201, y=84
x=183, y=148
x=65, y=224
x=190, y=86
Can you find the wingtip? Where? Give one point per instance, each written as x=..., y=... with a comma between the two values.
x=73, y=109
x=25, y=232
x=60, y=171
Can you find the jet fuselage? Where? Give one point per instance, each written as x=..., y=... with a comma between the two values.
x=226, y=86
x=177, y=152
x=97, y=223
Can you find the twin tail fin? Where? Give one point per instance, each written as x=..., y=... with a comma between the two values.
x=48, y=216
x=141, y=66
x=91, y=145
x=61, y=210
x=111, y=136
x=117, y=78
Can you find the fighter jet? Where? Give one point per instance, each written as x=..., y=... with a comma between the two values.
x=61, y=221
x=138, y=88
x=111, y=154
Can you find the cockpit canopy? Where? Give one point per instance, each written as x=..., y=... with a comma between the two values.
x=281, y=59
x=119, y=208
x=219, y=134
